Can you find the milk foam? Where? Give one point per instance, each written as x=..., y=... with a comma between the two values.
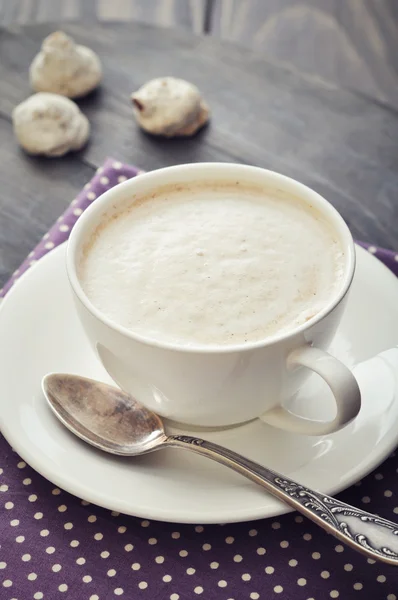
x=213, y=267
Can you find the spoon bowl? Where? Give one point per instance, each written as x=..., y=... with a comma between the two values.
x=102, y=415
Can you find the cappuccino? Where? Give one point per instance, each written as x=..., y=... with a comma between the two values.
x=212, y=264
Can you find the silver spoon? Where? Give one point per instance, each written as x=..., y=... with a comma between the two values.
x=115, y=422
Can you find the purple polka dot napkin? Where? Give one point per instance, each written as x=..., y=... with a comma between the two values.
x=55, y=546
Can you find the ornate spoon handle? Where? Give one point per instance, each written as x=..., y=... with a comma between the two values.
x=371, y=535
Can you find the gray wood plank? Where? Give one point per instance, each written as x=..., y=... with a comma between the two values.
x=190, y=14
x=339, y=143
x=8, y=11
x=60, y=9
x=33, y=193
x=26, y=11
x=169, y=13
x=352, y=43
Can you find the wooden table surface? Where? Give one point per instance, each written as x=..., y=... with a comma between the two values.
x=343, y=145
x=350, y=43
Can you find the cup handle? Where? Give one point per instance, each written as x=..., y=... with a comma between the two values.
x=342, y=383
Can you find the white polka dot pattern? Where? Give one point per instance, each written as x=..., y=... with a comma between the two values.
x=214, y=566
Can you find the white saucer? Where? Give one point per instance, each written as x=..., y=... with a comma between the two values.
x=40, y=332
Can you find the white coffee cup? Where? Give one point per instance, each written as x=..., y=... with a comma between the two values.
x=226, y=385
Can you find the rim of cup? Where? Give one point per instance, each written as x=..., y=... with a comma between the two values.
x=112, y=199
